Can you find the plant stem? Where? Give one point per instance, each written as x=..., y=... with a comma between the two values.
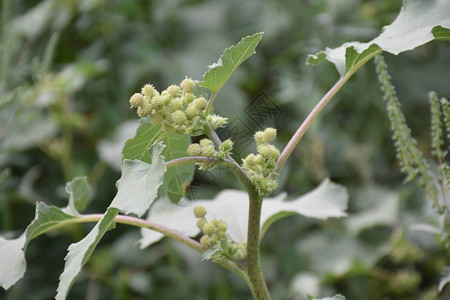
x=258, y=288
x=316, y=110
x=191, y=160
x=210, y=103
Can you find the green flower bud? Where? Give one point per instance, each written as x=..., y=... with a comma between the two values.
x=180, y=130
x=208, y=151
x=194, y=150
x=205, y=241
x=136, y=100
x=209, y=228
x=201, y=223
x=259, y=137
x=269, y=134
x=250, y=161
x=222, y=226
x=200, y=103
x=206, y=142
x=216, y=121
x=140, y=112
x=188, y=85
x=199, y=211
x=188, y=97
x=158, y=101
x=268, y=152
x=191, y=111
x=178, y=117
x=174, y=91
x=241, y=250
x=226, y=146
x=149, y=91
x=156, y=119
x=176, y=104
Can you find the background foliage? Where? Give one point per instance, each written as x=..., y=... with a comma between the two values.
x=70, y=118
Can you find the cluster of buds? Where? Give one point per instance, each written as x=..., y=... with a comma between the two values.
x=175, y=108
x=206, y=148
x=215, y=237
x=260, y=167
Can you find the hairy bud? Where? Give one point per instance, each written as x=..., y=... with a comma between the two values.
x=136, y=100
x=269, y=134
x=194, y=150
x=178, y=117
x=174, y=91
x=209, y=228
x=188, y=85
x=149, y=91
x=199, y=211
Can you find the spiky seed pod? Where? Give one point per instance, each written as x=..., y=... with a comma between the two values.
x=156, y=119
x=188, y=85
x=205, y=142
x=200, y=103
x=188, y=97
x=205, y=241
x=174, y=91
x=176, y=104
x=149, y=91
x=178, y=117
x=209, y=228
x=269, y=134
x=259, y=137
x=191, y=111
x=268, y=152
x=226, y=146
x=199, y=211
x=208, y=151
x=136, y=100
x=194, y=150
x=201, y=223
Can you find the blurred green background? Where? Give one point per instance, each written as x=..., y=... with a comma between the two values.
x=70, y=117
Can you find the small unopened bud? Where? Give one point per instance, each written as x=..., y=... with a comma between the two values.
x=149, y=91
x=188, y=97
x=250, y=161
x=205, y=142
x=178, y=117
x=205, y=241
x=222, y=226
x=136, y=99
x=191, y=111
x=201, y=223
x=194, y=150
x=200, y=103
x=208, y=151
x=158, y=102
x=156, y=119
x=199, y=211
x=176, y=104
x=174, y=91
x=259, y=137
x=209, y=228
x=188, y=85
x=268, y=152
x=269, y=134
x=226, y=146
x=216, y=121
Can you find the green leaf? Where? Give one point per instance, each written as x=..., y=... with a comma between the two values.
x=440, y=33
x=138, y=186
x=418, y=22
x=46, y=219
x=12, y=252
x=78, y=190
x=80, y=252
x=12, y=261
x=220, y=72
x=328, y=200
x=208, y=254
x=176, y=178
x=137, y=147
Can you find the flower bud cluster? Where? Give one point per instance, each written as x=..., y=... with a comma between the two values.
x=260, y=167
x=215, y=236
x=206, y=148
x=176, y=108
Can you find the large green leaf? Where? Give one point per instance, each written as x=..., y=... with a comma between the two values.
x=137, y=147
x=78, y=190
x=80, y=252
x=218, y=73
x=12, y=252
x=329, y=200
x=177, y=177
x=139, y=183
x=419, y=22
